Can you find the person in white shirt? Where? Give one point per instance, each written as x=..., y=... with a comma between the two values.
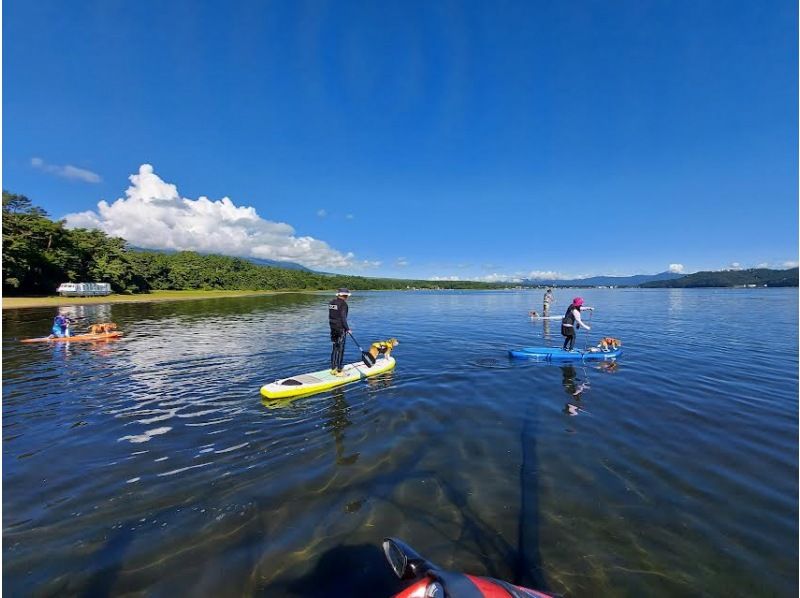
x=548, y=299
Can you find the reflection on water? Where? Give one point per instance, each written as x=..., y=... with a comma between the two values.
x=150, y=465
x=337, y=423
x=574, y=388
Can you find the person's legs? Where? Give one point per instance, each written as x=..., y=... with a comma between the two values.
x=569, y=341
x=340, y=356
x=337, y=353
x=56, y=332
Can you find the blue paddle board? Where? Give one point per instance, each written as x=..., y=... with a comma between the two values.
x=559, y=354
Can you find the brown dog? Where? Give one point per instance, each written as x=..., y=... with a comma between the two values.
x=102, y=328
x=609, y=344
x=383, y=348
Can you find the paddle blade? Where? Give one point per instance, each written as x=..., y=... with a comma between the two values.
x=367, y=358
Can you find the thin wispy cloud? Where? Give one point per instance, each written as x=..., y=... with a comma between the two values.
x=789, y=264
x=322, y=213
x=153, y=215
x=401, y=262
x=67, y=172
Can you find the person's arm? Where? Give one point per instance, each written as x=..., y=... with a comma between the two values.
x=343, y=312
x=578, y=321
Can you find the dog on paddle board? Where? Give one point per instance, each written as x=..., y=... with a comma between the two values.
x=103, y=328
x=382, y=348
x=610, y=344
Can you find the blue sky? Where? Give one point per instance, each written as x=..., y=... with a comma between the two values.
x=415, y=139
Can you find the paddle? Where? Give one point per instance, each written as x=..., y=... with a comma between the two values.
x=366, y=357
x=585, y=344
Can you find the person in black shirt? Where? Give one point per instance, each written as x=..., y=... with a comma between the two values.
x=572, y=321
x=337, y=318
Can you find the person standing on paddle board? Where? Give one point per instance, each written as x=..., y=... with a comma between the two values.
x=572, y=321
x=337, y=318
x=548, y=299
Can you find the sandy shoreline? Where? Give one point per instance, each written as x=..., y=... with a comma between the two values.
x=155, y=296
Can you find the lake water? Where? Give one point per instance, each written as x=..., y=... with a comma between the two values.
x=151, y=466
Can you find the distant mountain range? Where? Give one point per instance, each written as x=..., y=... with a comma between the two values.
x=725, y=278
x=604, y=281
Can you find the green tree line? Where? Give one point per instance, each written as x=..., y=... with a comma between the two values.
x=39, y=254
x=731, y=278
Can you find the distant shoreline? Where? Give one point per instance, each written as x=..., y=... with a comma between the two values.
x=161, y=296
x=152, y=297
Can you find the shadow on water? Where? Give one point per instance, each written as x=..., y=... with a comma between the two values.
x=109, y=561
x=337, y=422
x=477, y=536
x=361, y=570
x=356, y=571
x=527, y=566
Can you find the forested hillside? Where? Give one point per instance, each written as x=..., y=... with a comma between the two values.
x=39, y=254
x=732, y=278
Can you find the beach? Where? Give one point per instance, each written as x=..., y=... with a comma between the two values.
x=155, y=296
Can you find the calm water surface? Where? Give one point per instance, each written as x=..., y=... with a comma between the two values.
x=150, y=466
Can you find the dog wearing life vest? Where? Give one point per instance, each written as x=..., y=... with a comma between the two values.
x=103, y=328
x=383, y=348
x=610, y=344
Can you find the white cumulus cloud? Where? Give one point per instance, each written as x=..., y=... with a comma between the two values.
x=68, y=171
x=735, y=266
x=499, y=278
x=154, y=216
x=789, y=264
x=546, y=275
x=676, y=268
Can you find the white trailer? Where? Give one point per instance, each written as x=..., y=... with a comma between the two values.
x=84, y=289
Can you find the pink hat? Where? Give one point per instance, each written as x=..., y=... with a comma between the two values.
x=577, y=302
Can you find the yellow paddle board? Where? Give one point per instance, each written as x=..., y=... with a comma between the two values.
x=308, y=384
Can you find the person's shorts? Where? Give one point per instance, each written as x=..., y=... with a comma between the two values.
x=567, y=330
x=58, y=332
